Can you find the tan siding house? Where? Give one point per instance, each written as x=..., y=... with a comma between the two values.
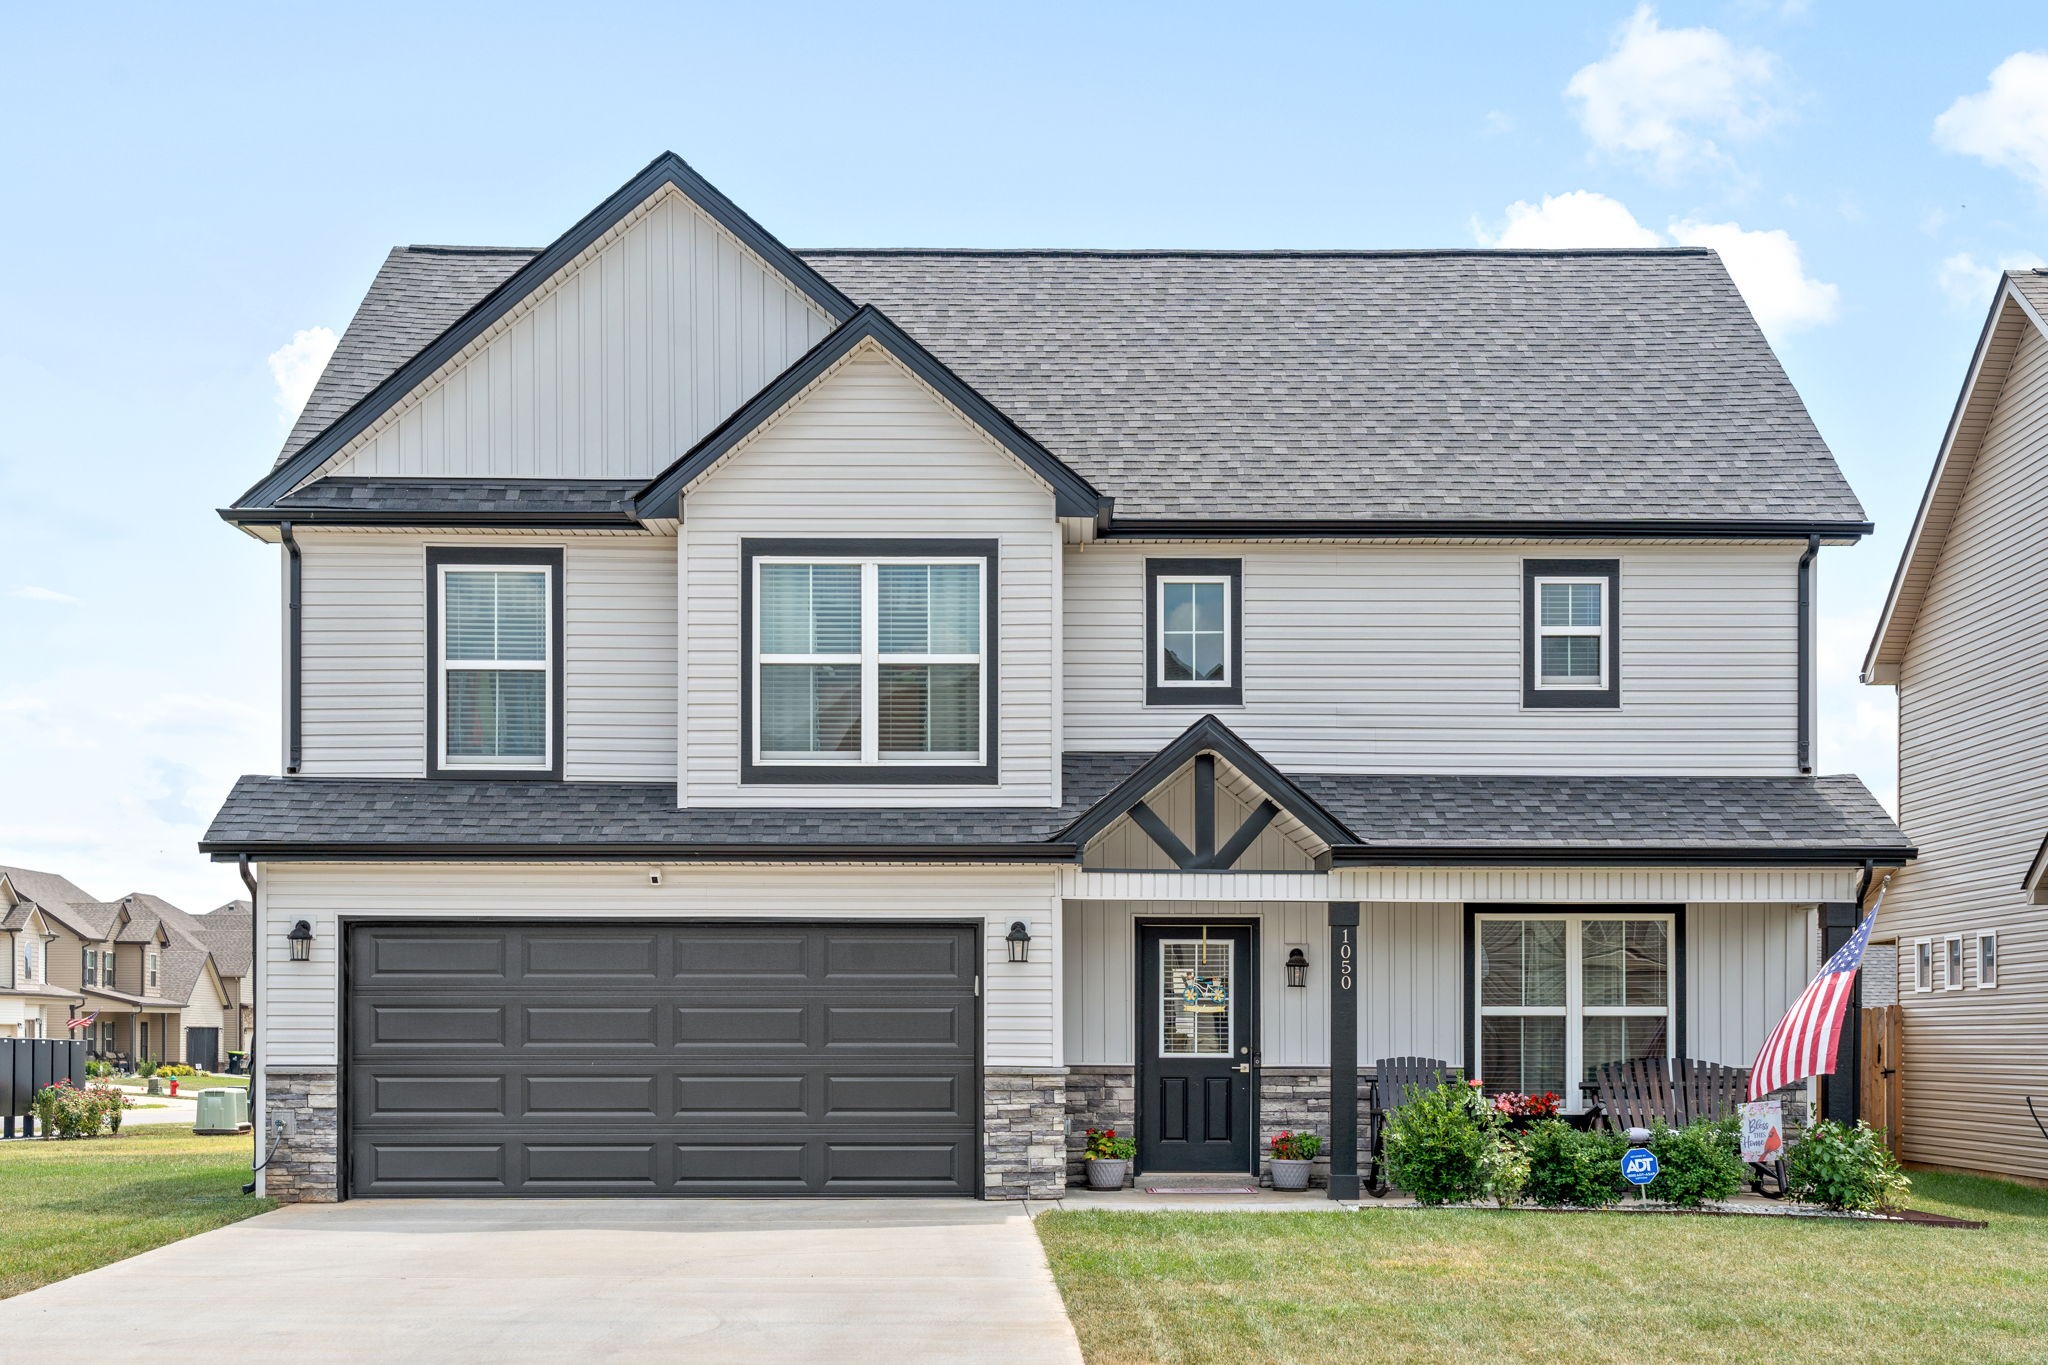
x=1965, y=641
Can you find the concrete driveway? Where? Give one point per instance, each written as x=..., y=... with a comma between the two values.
x=435, y=1282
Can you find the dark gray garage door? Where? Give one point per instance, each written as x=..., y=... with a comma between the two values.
x=491, y=1059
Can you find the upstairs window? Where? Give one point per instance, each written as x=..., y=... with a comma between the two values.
x=28, y=962
x=1194, y=632
x=152, y=965
x=495, y=626
x=1572, y=636
x=1987, y=959
x=870, y=661
x=92, y=967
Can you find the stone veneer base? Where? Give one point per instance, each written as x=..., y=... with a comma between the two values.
x=304, y=1169
x=1024, y=1115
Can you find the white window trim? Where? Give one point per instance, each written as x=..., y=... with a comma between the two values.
x=1923, y=955
x=89, y=967
x=1598, y=632
x=1983, y=936
x=151, y=962
x=1224, y=946
x=28, y=962
x=871, y=660
x=1159, y=678
x=544, y=666
x=1574, y=1010
x=1954, y=964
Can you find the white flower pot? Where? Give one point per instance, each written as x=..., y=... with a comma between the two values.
x=1105, y=1174
x=1290, y=1175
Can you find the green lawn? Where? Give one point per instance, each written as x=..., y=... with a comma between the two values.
x=67, y=1207
x=1388, y=1284
x=187, y=1085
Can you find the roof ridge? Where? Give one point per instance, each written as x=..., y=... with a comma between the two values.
x=448, y=249
x=1274, y=253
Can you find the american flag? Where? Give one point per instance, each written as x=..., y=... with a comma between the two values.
x=83, y=1020
x=1804, y=1042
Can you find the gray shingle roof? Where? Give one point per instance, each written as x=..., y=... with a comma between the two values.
x=225, y=932
x=430, y=497
x=1769, y=816
x=1481, y=385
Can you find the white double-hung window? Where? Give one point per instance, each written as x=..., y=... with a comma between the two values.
x=1558, y=996
x=496, y=661
x=873, y=664
x=1571, y=632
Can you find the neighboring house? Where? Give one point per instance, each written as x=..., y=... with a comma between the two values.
x=1964, y=639
x=227, y=933
x=844, y=722
x=33, y=1002
x=140, y=966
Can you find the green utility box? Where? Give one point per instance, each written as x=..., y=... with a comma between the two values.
x=222, y=1111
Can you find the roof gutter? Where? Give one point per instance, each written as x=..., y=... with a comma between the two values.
x=294, y=648
x=1806, y=653
x=1484, y=528
x=343, y=516
x=1485, y=855
x=228, y=850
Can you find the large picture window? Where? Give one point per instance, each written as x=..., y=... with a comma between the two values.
x=495, y=622
x=870, y=661
x=1571, y=653
x=1559, y=995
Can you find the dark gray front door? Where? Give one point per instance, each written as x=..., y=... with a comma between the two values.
x=1195, y=1047
x=729, y=1058
x=202, y=1048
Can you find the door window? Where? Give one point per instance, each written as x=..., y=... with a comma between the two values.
x=1195, y=987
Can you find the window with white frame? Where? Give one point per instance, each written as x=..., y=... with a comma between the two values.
x=1559, y=995
x=1923, y=965
x=495, y=656
x=1572, y=648
x=28, y=960
x=1952, y=955
x=1194, y=633
x=876, y=663
x=1987, y=959
x=152, y=969
x=92, y=966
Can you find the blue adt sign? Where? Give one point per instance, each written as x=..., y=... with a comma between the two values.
x=1639, y=1165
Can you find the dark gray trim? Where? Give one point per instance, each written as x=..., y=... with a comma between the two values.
x=666, y=169
x=1840, y=1097
x=1607, y=698
x=1482, y=528
x=1208, y=733
x=294, y=633
x=1451, y=855
x=1147, y=1017
x=550, y=558
x=1680, y=1006
x=1806, y=646
x=1157, y=830
x=1345, y=955
x=1158, y=693
x=982, y=774
x=1073, y=496
x=2037, y=870
x=286, y=850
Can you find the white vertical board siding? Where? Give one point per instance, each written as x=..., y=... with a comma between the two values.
x=1411, y=981
x=867, y=452
x=301, y=999
x=1973, y=745
x=610, y=370
x=1744, y=966
x=1408, y=658
x=364, y=626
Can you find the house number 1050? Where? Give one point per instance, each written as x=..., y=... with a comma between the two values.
x=1344, y=960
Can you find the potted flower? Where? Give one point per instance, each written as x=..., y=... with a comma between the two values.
x=1292, y=1156
x=1109, y=1158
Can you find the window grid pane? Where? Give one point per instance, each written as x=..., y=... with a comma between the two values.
x=1193, y=632
x=810, y=609
x=1571, y=604
x=1522, y=1053
x=1195, y=997
x=496, y=615
x=929, y=709
x=497, y=713
x=1571, y=657
x=810, y=709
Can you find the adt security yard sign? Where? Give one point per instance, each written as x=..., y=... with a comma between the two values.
x=1639, y=1165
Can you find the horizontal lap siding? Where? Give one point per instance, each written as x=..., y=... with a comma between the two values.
x=871, y=452
x=301, y=999
x=365, y=654
x=1390, y=658
x=1973, y=751
x=613, y=369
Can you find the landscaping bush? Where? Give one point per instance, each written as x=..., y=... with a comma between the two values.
x=145, y=1069
x=1697, y=1164
x=1571, y=1169
x=1438, y=1144
x=1846, y=1168
x=64, y=1110
x=176, y=1069
x=1506, y=1171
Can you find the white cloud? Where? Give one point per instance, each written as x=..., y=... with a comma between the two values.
x=1765, y=263
x=1768, y=270
x=1969, y=283
x=1577, y=218
x=2006, y=123
x=1663, y=94
x=1496, y=122
x=296, y=367
x=32, y=593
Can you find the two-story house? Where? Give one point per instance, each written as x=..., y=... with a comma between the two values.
x=844, y=722
x=1961, y=641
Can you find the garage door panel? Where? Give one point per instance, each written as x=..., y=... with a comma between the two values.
x=770, y=1059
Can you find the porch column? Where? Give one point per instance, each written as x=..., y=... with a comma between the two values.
x=1344, y=1050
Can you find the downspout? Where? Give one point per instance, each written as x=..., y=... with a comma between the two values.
x=1805, y=653
x=255, y=947
x=292, y=656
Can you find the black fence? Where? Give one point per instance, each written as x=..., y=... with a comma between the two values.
x=26, y=1066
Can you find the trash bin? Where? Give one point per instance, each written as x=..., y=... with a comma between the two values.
x=217, y=1113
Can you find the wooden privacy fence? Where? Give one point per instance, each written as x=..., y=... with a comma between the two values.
x=26, y=1066
x=1878, y=1068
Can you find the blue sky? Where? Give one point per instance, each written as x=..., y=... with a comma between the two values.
x=189, y=189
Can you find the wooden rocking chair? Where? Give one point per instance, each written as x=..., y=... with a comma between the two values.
x=1394, y=1081
x=1646, y=1091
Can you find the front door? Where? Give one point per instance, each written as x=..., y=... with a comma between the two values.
x=1195, y=1047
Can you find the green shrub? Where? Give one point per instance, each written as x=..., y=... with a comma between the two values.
x=145, y=1069
x=1571, y=1169
x=96, y=1067
x=1697, y=1164
x=1846, y=1168
x=64, y=1110
x=1437, y=1144
x=1506, y=1170
x=178, y=1069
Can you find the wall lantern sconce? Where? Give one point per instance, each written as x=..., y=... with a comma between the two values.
x=301, y=939
x=1297, y=968
x=1019, y=939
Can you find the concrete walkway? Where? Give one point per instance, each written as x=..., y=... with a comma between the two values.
x=439, y=1282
